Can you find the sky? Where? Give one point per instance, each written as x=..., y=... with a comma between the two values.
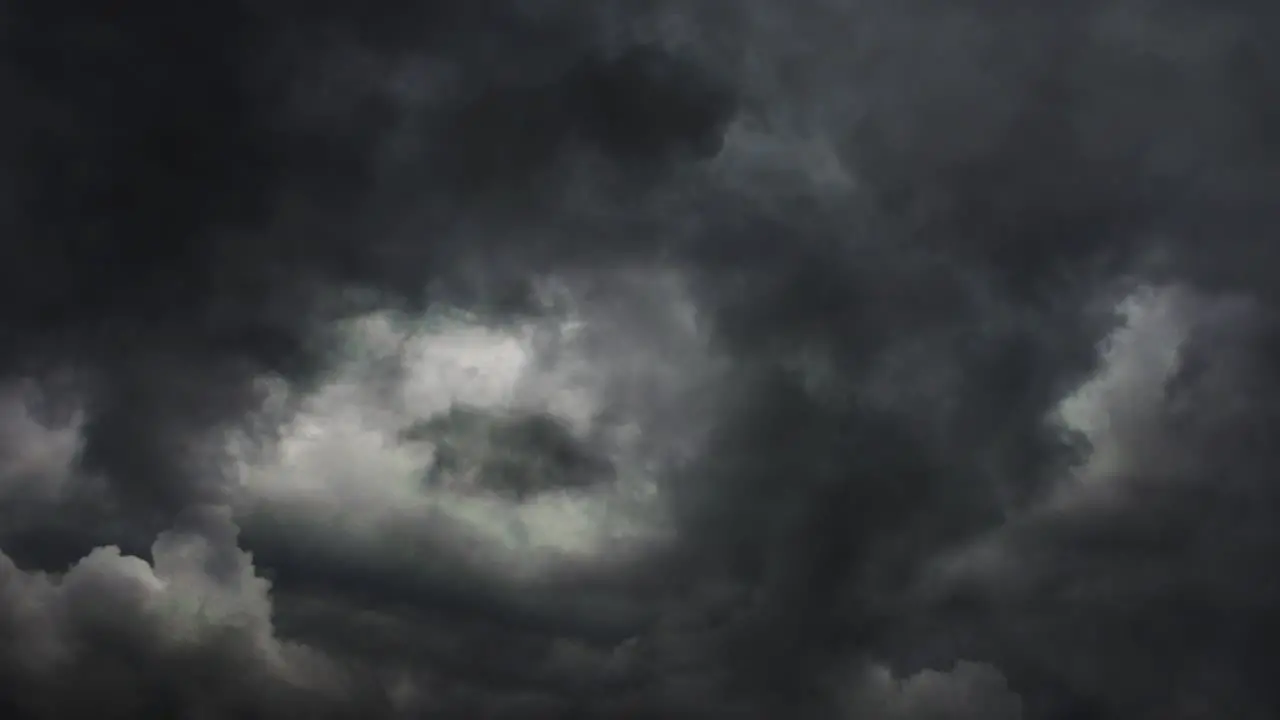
x=828, y=359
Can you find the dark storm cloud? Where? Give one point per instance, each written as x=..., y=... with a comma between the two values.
x=181, y=190
x=904, y=225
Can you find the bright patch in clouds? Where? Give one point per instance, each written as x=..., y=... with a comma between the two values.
x=346, y=464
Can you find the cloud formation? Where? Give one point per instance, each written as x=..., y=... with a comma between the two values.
x=837, y=358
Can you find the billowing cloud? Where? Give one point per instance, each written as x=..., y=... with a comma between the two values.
x=969, y=690
x=835, y=358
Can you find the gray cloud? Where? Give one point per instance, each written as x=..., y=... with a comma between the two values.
x=924, y=357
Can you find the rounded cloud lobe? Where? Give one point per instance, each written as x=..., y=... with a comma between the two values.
x=824, y=359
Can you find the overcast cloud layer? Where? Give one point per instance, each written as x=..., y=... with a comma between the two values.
x=812, y=359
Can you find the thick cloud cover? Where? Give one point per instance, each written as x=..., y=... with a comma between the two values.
x=831, y=359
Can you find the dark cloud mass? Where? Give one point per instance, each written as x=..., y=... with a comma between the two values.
x=820, y=359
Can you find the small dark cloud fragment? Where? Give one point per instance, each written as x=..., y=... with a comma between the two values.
x=516, y=455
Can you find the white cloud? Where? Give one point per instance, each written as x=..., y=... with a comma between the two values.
x=199, y=601
x=969, y=691
x=619, y=372
x=1118, y=408
x=36, y=460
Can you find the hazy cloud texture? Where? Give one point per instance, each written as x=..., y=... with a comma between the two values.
x=822, y=359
